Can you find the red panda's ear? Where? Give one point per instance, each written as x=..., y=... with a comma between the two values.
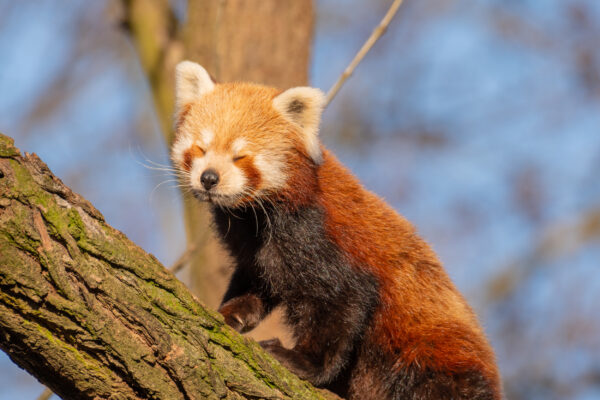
x=191, y=82
x=303, y=106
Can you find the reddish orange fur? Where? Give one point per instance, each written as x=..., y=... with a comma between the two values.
x=190, y=154
x=302, y=186
x=422, y=315
x=250, y=171
x=180, y=117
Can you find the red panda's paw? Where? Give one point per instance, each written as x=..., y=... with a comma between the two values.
x=233, y=320
x=242, y=313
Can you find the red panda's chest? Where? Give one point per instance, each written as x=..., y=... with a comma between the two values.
x=290, y=253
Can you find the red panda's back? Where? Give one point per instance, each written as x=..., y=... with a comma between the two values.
x=423, y=324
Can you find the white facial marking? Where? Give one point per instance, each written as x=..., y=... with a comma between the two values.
x=231, y=178
x=272, y=171
x=238, y=145
x=207, y=137
x=183, y=142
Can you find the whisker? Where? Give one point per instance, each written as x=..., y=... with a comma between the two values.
x=159, y=185
x=267, y=218
x=153, y=164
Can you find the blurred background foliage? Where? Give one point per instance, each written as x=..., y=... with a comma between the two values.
x=477, y=120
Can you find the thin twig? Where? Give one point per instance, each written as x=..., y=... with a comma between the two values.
x=377, y=33
x=46, y=394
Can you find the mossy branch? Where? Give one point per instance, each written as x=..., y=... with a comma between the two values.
x=91, y=315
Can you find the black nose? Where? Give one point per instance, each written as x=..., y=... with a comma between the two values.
x=209, y=179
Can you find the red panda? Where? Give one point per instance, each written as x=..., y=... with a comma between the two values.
x=372, y=310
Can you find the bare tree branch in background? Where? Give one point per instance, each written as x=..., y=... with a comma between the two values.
x=377, y=33
x=45, y=395
x=559, y=240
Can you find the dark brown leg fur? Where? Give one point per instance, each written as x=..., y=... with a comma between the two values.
x=328, y=302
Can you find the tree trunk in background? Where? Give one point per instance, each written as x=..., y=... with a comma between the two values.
x=93, y=316
x=264, y=41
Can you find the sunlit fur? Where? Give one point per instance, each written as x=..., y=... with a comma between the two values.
x=303, y=106
x=191, y=82
x=249, y=144
x=372, y=310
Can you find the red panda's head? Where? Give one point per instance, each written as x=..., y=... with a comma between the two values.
x=239, y=142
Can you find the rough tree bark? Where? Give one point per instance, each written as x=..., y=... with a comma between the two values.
x=93, y=316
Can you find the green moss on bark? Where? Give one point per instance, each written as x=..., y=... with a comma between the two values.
x=92, y=315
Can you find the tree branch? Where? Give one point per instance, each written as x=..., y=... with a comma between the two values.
x=91, y=315
x=375, y=35
x=45, y=395
x=155, y=30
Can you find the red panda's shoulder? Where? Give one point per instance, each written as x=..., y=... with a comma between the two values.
x=363, y=224
x=346, y=201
